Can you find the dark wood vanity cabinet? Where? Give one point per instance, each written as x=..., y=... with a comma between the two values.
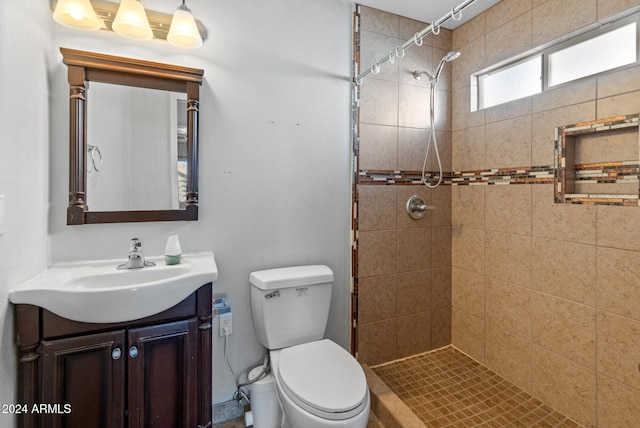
x=153, y=372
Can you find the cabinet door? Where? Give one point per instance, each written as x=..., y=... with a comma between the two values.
x=87, y=374
x=162, y=361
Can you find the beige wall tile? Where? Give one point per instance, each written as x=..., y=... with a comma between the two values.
x=619, y=105
x=412, y=143
x=414, y=334
x=414, y=292
x=508, y=143
x=440, y=198
x=509, y=306
x=440, y=327
x=376, y=253
x=510, y=39
x=418, y=58
x=575, y=223
x=444, y=40
x=443, y=139
x=607, y=8
x=468, y=205
x=505, y=11
x=374, y=46
x=467, y=292
x=378, y=147
x=377, y=342
x=565, y=385
x=617, y=404
x=414, y=249
x=469, y=31
x=619, y=82
x=409, y=27
x=471, y=60
x=508, y=257
x=618, y=227
x=441, y=246
x=575, y=93
x=441, y=288
x=376, y=298
x=608, y=147
x=468, y=149
x=555, y=18
x=508, y=209
x=509, y=355
x=467, y=333
x=376, y=207
x=564, y=269
x=619, y=348
x=543, y=125
x=467, y=248
x=413, y=107
x=618, y=282
x=564, y=327
x=379, y=102
x=462, y=117
x=510, y=110
x=378, y=21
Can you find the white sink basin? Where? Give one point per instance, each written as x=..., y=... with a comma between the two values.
x=96, y=292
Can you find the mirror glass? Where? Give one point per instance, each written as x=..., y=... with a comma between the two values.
x=136, y=148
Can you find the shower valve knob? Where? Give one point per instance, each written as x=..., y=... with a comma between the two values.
x=417, y=208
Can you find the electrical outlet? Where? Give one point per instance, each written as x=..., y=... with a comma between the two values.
x=226, y=324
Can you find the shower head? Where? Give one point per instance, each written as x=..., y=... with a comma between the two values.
x=450, y=56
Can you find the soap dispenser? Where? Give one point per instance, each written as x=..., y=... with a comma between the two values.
x=173, y=250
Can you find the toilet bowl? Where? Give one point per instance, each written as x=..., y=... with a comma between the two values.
x=320, y=385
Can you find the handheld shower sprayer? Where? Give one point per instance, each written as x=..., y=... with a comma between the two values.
x=450, y=56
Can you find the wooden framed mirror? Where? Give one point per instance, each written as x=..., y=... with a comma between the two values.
x=137, y=139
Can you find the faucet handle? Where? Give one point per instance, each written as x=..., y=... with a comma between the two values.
x=135, y=245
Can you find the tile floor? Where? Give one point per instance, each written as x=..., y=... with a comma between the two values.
x=239, y=423
x=446, y=388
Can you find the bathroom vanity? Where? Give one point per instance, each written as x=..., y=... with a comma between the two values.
x=103, y=347
x=154, y=371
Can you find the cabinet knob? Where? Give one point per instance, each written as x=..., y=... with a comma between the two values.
x=133, y=352
x=116, y=353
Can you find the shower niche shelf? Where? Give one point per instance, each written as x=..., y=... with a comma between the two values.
x=597, y=163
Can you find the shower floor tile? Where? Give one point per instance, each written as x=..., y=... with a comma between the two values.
x=446, y=388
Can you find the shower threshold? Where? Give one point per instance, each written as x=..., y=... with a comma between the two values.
x=447, y=388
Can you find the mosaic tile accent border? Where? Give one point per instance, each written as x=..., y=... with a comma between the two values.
x=532, y=175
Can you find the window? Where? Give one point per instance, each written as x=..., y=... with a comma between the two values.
x=595, y=55
x=510, y=83
x=609, y=47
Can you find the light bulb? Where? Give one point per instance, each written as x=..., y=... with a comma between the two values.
x=184, y=31
x=77, y=14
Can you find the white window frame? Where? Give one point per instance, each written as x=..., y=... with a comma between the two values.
x=551, y=48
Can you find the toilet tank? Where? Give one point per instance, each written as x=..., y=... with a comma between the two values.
x=290, y=305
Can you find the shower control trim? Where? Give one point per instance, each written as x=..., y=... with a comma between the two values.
x=417, y=208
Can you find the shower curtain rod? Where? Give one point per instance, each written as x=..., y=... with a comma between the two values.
x=455, y=14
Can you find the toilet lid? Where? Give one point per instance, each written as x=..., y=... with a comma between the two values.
x=323, y=378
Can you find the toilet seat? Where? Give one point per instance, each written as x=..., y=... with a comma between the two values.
x=324, y=379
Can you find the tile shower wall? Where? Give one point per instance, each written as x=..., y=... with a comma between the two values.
x=547, y=295
x=403, y=269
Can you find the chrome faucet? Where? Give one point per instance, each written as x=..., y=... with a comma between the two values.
x=136, y=260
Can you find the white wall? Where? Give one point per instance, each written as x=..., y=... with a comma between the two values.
x=25, y=50
x=274, y=154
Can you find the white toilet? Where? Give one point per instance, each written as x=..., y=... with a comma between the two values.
x=318, y=383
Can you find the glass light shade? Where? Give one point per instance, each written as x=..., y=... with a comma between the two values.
x=78, y=14
x=131, y=21
x=184, y=31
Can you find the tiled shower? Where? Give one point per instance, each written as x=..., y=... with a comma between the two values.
x=545, y=294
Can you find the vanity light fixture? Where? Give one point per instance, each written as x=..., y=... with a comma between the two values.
x=119, y=17
x=184, y=32
x=131, y=21
x=78, y=14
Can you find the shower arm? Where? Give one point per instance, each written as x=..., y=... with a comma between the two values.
x=375, y=68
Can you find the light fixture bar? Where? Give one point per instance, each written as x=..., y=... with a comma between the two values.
x=159, y=22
